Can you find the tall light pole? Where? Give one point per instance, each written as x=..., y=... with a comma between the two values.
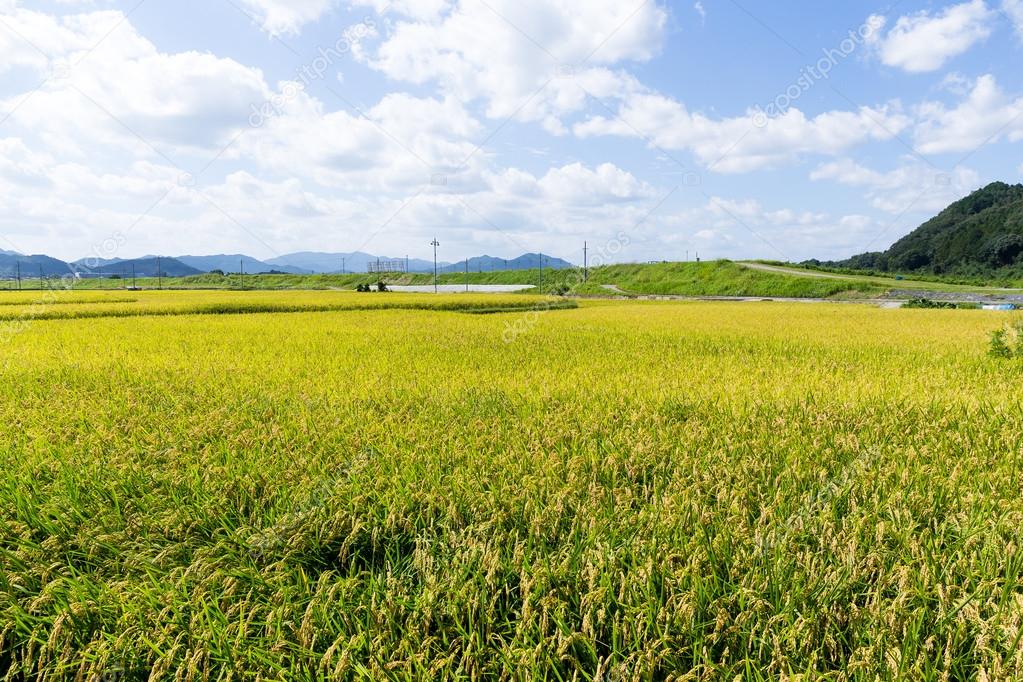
x=435, y=244
x=585, y=263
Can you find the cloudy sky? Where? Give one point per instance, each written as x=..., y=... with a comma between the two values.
x=729, y=128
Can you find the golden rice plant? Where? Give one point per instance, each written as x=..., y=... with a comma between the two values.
x=619, y=491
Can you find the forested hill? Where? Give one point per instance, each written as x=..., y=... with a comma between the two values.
x=980, y=233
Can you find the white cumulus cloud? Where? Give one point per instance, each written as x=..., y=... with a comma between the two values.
x=985, y=116
x=534, y=60
x=925, y=42
x=1014, y=10
x=279, y=17
x=738, y=144
x=912, y=187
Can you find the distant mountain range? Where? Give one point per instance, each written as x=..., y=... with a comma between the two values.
x=306, y=262
x=31, y=266
x=527, y=261
x=238, y=262
x=147, y=266
x=179, y=266
x=356, y=261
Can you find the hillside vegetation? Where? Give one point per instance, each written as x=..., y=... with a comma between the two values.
x=980, y=236
x=722, y=278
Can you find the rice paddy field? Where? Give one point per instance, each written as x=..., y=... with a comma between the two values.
x=328, y=485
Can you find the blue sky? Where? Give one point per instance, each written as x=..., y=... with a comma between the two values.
x=650, y=130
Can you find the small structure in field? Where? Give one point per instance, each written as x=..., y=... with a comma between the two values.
x=382, y=266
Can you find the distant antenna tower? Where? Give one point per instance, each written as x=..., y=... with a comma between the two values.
x=435, y=244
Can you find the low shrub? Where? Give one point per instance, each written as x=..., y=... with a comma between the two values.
x=1006, y=342
x=928, y=304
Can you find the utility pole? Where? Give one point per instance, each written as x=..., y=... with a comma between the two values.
x=585, y=261
x=40, y=277
x=435, y=244
x=159, y=273
x=342, y=265
x=541, y=272
x=241, y=266
x=19, y=275
x=133, y=285
x=466, y=275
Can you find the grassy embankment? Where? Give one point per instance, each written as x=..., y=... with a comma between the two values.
x=717, y=278
x=994, y=284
